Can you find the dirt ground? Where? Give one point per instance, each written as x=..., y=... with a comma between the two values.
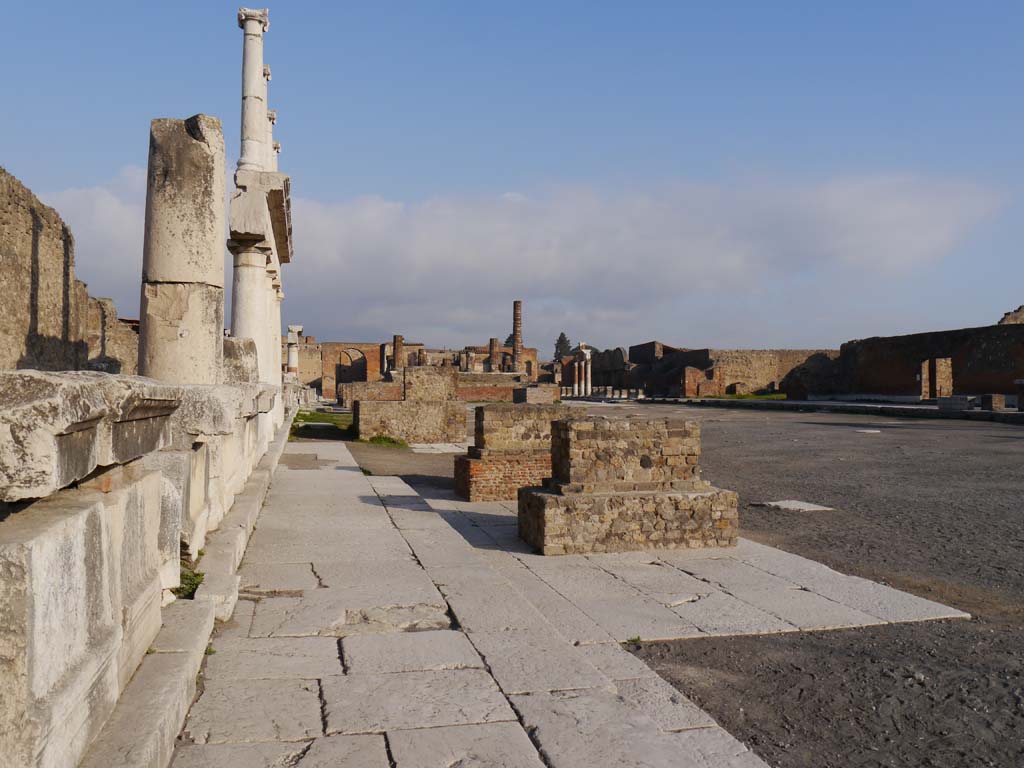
x=932, y=507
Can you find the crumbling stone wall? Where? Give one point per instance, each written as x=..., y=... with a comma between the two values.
x=626, y=484
x=429, y=383
x=538, y=394
x=511, y=450
x=113, y=343
x=1014, y=317
x=985, y=360
x=42, y=323
x=411, y=421
x=348, y=394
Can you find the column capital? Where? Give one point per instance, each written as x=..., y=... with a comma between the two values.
x=272, y=116
x=266, y=72
x=277, y=147
x=261, y=15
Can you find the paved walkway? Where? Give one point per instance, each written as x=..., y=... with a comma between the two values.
x=382, y=627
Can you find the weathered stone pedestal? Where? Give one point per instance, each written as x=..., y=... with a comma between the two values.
x=511, y=450
x=621, y=485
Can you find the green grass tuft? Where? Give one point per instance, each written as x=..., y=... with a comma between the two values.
x=387, y=441
x=190, y=581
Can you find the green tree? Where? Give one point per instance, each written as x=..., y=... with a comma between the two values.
x=563, y=346
x=509, y=339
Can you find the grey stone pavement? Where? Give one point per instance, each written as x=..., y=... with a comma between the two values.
x=382, y=627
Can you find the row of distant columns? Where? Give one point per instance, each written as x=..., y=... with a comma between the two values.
x=582, y=378
x=257, y=288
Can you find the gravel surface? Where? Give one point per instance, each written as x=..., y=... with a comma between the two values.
x=932, y=507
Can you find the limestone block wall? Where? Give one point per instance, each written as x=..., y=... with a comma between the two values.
x=113, y=344
x=80, y=605
x=412, y=421
x=519, y=428
x=429, y=384
x=348, y=394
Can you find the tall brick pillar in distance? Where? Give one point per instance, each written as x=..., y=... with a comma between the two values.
x=181, y=325
x=517, y=336
x=398, y=351
x=494, y=355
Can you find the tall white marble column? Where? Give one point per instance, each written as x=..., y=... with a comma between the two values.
x=269, y=163
x=588, y=377
x=575, y=378
x=254, y=22
x=249, y=299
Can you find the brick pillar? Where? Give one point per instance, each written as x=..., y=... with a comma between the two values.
x=517, y=336
x=398, y=351
x=494, y=355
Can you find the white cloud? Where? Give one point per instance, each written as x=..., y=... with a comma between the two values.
x=616, y=266
x=107, y=222
x=740, y=263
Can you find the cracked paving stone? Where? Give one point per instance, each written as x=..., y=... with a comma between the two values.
x=409, y=652
x=716, y=748
x=527, y=661
x=255, y=710
x=583, y=729
x=378, y=703
x=719, y=613
x=267, y=755
x=270, y=657
x=347, y=752
x=496, y=745
x=670, y=709
x=615, y=662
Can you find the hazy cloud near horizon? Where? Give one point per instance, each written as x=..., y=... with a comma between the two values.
x=746, y=263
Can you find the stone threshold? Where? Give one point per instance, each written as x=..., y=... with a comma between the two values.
x=149, y=715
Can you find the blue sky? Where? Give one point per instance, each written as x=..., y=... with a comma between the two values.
x=729, y=174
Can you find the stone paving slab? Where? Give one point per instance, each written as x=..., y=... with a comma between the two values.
x=364, y=567
x=583, y=729
x=525, y=661
x=268, y=755
x=347, y=752
x=409, y=652
x=255, y=710
x=656, y=698
x=379, y=703
x=497, y=745
x=273, y=658
x=615, y=662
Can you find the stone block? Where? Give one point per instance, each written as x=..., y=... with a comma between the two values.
x=80, y=601
x=409, y=652
x=579, y=523
x=255, y=710
x=56, y=428
x=411, y=421
x=540, y=394
x=993, y=402
x=495, y=745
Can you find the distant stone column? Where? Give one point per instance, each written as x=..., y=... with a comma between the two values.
x=517, y=336
x=494, y=354
x=254, y=22
x=181, y=328
x=294, y=333
x=277, y=154
x=589, y=369
x=271, y=162
x=575, y=378
x=249, y=305
x=421, y=357
x=398, y=351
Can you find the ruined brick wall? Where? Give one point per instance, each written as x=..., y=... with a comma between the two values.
x=986, y=360
x=428, y=383
x=729, y=371
x=499, y=477
x=597, y=455
x=113, y=343
x=538, y=394
x=369, y=390
x=412, y=421
x=43, y=318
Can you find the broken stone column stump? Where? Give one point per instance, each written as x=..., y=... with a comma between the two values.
x=623, y=485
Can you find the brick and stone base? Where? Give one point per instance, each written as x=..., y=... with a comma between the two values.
x=578, y=523
x=499, y=476
x=619, y=485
